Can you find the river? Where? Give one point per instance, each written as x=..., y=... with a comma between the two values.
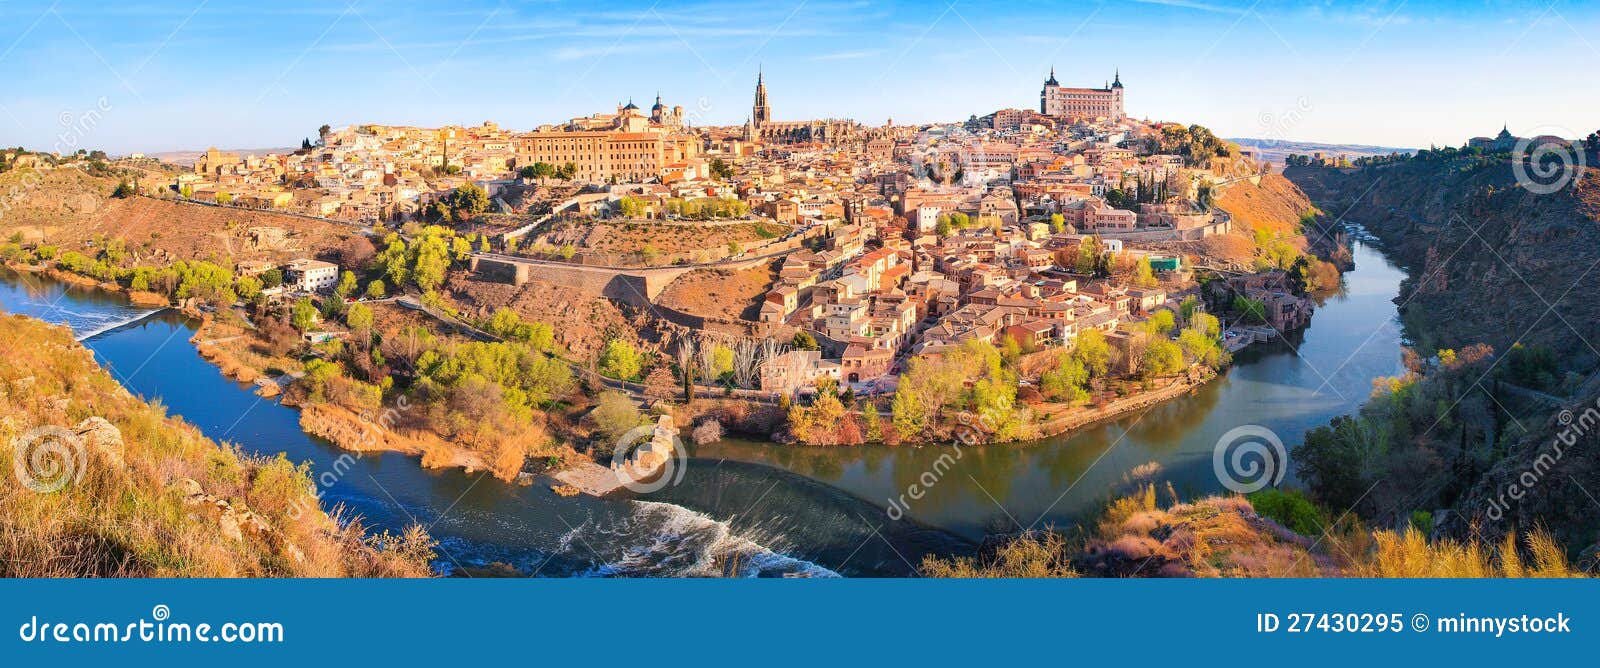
x=759, y=509
x=1289, y=387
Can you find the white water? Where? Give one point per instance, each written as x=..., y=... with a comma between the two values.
x=88, y=325
x=669, y=540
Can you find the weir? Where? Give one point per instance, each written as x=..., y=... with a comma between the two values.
x=119, y=325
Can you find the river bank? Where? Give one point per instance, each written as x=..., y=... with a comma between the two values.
x=724, y=518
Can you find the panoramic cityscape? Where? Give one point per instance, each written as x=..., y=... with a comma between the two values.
x=693, y=296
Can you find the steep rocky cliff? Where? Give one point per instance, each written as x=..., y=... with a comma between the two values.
x=1489, y=261
x=1495, y=263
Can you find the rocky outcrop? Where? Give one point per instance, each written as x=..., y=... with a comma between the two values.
x=232, y=522
x=103, y=439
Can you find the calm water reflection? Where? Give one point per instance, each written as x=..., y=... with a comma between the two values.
x=1290, y=387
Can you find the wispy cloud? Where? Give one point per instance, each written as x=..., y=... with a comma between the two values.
x=845, y=55
x=1191, y=4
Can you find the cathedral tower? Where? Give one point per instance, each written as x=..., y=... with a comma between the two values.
x=760, y=114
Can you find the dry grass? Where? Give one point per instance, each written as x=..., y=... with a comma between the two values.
x=1040, y=554
x=128, y=516
x=1224, y=537
x=1410, y=555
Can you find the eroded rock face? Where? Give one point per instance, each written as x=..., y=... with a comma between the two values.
x=232, y=522
x=81, y=203
x=103, y=439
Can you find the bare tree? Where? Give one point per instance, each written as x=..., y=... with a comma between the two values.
x=685, y=353
x=748, y=357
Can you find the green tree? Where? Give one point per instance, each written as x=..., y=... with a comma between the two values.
x=1066, y=381
x=1250, y=310
x=1091, y=349
x=1058, y=223
x=1089, y=252
x=358, y=317
x=247, y=287
x=803, y=340
x=721, y=361
x=375, y=290
x=908, y=414
x=1143, y=275
x=873, y=423
x=1161, y=357
x=430, y=254
x=721, y=170
x=619, y=360
x=1187, y=308
x=346, y=286
x=393, y=260
x=304, y=314
x=467, y=201
x=1161, y=322
x=615, y=414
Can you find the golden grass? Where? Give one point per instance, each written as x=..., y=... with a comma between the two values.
x=1224, y=537
x=1409, y=554
x=1040, y=554
x=129, y=518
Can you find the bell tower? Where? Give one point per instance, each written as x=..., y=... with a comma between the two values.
x=760, y=114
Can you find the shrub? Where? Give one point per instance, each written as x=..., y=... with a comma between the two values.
x=1290, y=508
x=709, y=431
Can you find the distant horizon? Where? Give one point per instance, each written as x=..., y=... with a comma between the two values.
x=288, y=147
x=1385, y=73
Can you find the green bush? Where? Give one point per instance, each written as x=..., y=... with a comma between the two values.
x=1290, y=508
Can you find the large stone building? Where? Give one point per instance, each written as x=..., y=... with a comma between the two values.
x=626, y=146
x=762, y=128
x=1081, y=103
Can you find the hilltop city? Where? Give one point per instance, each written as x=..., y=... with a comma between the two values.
x=895, y=240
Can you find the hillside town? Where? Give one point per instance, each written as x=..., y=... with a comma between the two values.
x=771, y=262
x=902, y=240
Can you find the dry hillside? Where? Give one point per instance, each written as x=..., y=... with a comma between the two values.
x=720, y=293
x=142, y=494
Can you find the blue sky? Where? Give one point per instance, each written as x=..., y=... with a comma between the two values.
x=191, y=73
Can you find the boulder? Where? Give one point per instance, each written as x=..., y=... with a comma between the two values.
x=102, y=438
